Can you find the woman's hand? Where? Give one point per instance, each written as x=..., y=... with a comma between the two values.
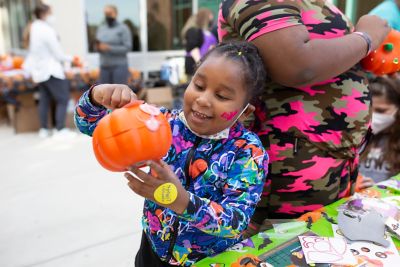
x=376, y=27
x=161, y=186
x=112, y=96
x=103, y=47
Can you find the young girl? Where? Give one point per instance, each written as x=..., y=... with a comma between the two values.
x=213, y=172
x=381, y=159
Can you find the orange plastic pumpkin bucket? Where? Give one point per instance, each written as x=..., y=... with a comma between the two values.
x=130, y=135
x=385, y=59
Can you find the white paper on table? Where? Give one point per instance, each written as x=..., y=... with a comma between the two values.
x=374, y=254
x=318, y=249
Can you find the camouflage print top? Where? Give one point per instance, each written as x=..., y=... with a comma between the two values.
x=333, y=116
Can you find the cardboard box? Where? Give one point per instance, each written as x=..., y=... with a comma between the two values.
x=25, y=117
x=159, y=96
x=3, y=113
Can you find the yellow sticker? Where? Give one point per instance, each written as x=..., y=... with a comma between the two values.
x=166, y=193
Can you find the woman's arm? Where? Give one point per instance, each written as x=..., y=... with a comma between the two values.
x=54, y=46
x=292, y=59
x=126, y=44
x=283, y=32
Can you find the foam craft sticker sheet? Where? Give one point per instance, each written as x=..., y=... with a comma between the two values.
x=375, y=255
x=318, y=249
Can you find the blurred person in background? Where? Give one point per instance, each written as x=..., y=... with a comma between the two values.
x=390, y=11
x=381, y=159
x=45, y=64
x=113, y=42
x=198, y=39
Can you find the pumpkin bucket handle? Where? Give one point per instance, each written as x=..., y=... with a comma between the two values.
x=134, y=103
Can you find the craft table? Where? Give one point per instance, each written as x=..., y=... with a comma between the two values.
x=318, y=222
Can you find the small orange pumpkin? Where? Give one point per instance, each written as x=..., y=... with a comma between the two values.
x=130, y=135
x=385, y=59
x=17, y=62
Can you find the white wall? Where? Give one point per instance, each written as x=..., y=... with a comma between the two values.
x=70, y=25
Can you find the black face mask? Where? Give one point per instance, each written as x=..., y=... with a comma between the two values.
x=211, y=23
x=110, y=21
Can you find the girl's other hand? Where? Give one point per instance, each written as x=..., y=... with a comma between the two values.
x=160, y=179
x=376, y=27
x=363, y=183
x=112, y=96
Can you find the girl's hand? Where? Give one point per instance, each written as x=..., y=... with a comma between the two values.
x=112, y=96
x=363, y=183
x=376, y=27
x=161, y=186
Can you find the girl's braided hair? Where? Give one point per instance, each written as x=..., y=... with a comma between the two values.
x=246, y=54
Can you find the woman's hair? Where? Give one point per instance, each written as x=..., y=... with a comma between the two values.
x=389, y=89
x=246, y=54
x=40, y=10
x=203, y=18
x=190, y=23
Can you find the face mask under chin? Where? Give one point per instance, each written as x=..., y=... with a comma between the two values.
x=217, y=136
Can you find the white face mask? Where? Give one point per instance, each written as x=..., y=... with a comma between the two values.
x=381, y=121
x=217, y=136
x=50, y=19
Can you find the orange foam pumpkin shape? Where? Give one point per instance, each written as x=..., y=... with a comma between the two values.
x=131, y=135
x=385, y=59
x=17, y=62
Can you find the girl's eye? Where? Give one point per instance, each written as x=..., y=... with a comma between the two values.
x=221, y=97
x=198, y=87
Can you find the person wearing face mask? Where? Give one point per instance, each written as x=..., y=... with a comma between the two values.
x=44, y=62
x=381, y=159
x=113, y=42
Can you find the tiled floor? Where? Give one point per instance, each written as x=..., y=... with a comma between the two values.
x=58, y=207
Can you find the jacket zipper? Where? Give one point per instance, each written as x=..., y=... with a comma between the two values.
x=187, y=185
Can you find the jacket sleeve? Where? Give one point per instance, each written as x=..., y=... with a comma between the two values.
x=54, y=46
x=126, y=42
x=242, y=190
x=87, y=115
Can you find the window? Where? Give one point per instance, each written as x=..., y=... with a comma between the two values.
x=213, y=5
x=128, y=13
x=19, y=13
x=165, y=20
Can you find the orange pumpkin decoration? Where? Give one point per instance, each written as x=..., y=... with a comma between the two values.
x=77, y=62
x=386, y=59
x=131, y=135
x=17, y=62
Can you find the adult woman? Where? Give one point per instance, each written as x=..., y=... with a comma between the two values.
x=198, y=39
x=381, y=159
x=317, y=98
x=45, y=64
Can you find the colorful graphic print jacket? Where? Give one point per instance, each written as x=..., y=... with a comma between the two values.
x=224, y=179
x=312, y=133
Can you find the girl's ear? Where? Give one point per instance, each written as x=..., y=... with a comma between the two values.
x=249, y=110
